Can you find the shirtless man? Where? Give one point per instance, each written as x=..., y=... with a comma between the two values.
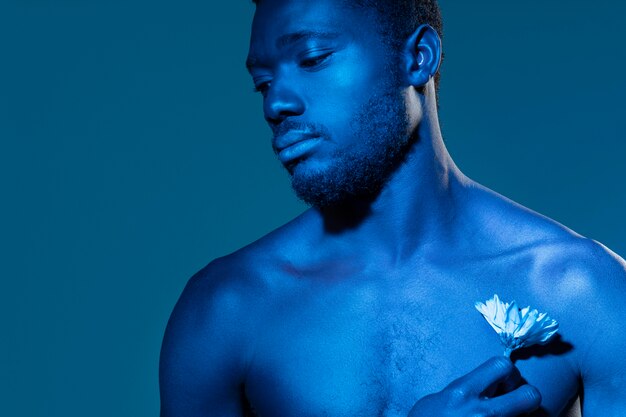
x=364, y=304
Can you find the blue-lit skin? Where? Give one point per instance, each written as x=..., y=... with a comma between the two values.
x=368, y=310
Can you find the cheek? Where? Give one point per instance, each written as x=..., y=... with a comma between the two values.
x=332, y=106
x=358, y=69
x=348, y=77
x=353, y=73
x=337, y=98
x=339, y=93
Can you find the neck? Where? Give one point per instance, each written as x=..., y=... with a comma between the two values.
x=414, y=211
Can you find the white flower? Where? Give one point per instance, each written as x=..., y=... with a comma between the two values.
x=517, y=327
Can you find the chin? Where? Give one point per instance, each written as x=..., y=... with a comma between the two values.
x=316, y=187
x=325, y=188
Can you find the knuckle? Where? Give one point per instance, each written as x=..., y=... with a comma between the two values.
x=457, y=393
x=532, y=394
x=502, y=363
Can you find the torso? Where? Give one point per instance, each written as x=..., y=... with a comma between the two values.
x=371, y=341
x=372, y=349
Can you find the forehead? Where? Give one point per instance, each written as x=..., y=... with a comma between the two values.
x=275, y=18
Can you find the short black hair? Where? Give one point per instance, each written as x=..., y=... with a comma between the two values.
x=400, y=18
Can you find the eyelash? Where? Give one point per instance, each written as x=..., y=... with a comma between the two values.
x=261, y=88
x=316, y=60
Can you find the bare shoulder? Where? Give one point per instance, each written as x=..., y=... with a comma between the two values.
x=250, y=270
x=231, y=292
x=563, y=266
x=231, y=289
x=205, y=344
x=210, y=338
x=234, y=287
x=204, y=351
x=584, y=284
x=577, y=280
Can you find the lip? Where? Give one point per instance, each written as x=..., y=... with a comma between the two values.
x=294, y=145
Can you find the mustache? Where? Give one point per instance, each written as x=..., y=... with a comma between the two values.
x=289, y=125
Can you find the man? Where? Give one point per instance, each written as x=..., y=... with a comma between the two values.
x=363, y=305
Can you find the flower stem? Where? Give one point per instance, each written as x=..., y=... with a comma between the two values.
x=507, y=352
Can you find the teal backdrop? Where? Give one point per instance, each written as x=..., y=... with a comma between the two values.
x=133, y=151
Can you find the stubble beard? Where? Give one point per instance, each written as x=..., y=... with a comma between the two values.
x=361, y=171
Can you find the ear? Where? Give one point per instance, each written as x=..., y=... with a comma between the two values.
x=422, y=55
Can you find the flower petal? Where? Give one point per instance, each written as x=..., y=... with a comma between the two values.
x=517, y=327
x=512, y=319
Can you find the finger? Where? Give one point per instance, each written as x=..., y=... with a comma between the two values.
x=513, y=381
x=490, y=373
x=524, y=399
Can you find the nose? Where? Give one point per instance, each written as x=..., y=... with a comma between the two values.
x=281, y=102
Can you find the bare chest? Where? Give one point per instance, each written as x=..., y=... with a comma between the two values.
x=371, y=353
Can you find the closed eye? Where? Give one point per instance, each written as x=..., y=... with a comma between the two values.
x=312, y=62
x=261, y=87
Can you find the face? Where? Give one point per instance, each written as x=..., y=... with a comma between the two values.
x=332, y=96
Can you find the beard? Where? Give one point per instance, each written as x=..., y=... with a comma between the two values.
x=361, y=171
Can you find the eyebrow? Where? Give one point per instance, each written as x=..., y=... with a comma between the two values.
x=291, y=38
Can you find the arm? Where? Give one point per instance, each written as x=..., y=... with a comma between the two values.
x=202, y=366
x=603, y=364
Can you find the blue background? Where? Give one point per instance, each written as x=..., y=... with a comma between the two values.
x=133, y=151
